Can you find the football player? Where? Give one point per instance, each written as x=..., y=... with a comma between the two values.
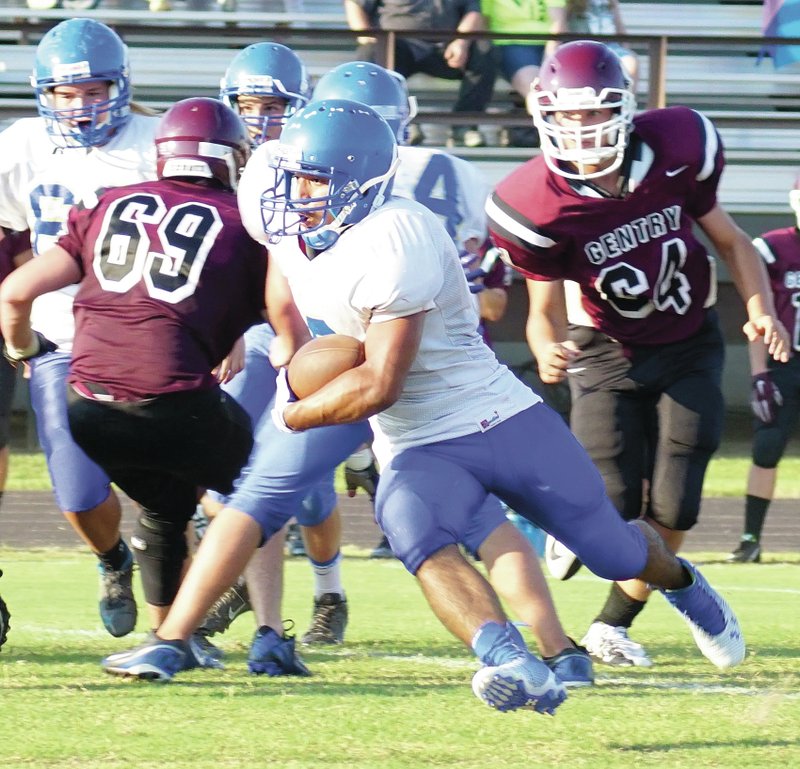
x=452, y=422
x=266, y=83
x=607, y=212
x=167, y=280
x=456, y=192
x=775, y=394
x=87, y=138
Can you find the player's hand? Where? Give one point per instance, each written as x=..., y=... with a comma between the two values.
x=39, y=345
x=556, y=360
x=772, y=331
x=765, y=398
x=366, y=479
x=284, y=395
x=232, y=364
x=471, y=264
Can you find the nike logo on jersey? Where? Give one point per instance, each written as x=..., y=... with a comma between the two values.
x=675, y=171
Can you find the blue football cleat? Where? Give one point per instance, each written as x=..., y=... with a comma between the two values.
x=117, y=605
x=525, y=683
x=158, y=660
x=713, y=624
x=573, y=667
x=274, y=655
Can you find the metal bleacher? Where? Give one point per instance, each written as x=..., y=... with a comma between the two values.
x=185, y=51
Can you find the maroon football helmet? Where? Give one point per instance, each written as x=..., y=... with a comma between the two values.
x=202, y=138
x=582, y=75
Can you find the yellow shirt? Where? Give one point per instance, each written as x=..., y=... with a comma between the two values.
x=519, y=17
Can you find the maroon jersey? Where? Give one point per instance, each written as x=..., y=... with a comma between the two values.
x=781, y=252
x=645, y=278
x=170, y=280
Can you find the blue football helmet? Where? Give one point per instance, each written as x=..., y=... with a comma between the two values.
x=382, y=89
x=348, y=144
x=82, y=51
x=266, y=69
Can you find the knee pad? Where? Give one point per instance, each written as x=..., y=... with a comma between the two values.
x=160, y=549
x=769, y=444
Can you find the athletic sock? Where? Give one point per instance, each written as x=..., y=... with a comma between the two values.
x=755, y=513
x=620, y=610
x=328, y=576
x=117, y=557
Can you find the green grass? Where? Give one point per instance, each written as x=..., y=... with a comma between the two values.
x=727, y=474
x=397, y=694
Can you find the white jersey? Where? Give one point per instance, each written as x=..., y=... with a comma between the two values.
x=397, y=262
x=449, y=186
x=39, y=183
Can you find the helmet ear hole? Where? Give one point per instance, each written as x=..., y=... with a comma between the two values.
x=202, y=138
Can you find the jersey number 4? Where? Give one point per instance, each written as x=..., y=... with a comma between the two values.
x=628, y=291
x=170, y=269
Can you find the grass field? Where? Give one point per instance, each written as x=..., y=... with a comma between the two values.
x=397, y=694
x=727, y=474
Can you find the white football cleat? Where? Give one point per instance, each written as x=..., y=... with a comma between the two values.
x=561, y=562
x=713, y=624
x=612, y=646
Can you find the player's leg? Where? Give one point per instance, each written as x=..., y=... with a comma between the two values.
x=426, y=505
x=554, y=484
x=285, y=467
x=321, y=522
x=517, y=577
x=83, y=493
x=768, y=448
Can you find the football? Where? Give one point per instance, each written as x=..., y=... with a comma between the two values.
x=561, y=562
x=321, y=360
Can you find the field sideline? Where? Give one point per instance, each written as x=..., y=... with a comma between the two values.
x=397, y=694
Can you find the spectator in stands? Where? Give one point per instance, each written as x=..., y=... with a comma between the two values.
x=470, y=61
x=519, y=60
x=602, y=17
x=776, y=385
x=617, y=199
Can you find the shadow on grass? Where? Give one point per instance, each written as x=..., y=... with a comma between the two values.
x=641, y=747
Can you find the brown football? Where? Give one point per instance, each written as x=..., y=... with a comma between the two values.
x=322, y=359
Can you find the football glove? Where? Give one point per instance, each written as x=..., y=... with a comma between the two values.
x=39, y=345
x=765, y=398
x=366, y=479
x=284, y=395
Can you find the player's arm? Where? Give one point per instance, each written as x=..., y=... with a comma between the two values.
x=750, y=278
x=390, y=348
x=52, y=270
x=290, y=328
x=546, y=329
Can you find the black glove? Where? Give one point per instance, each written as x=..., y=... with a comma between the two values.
x=366, y=479
x=765, y=398
x=39, y=345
